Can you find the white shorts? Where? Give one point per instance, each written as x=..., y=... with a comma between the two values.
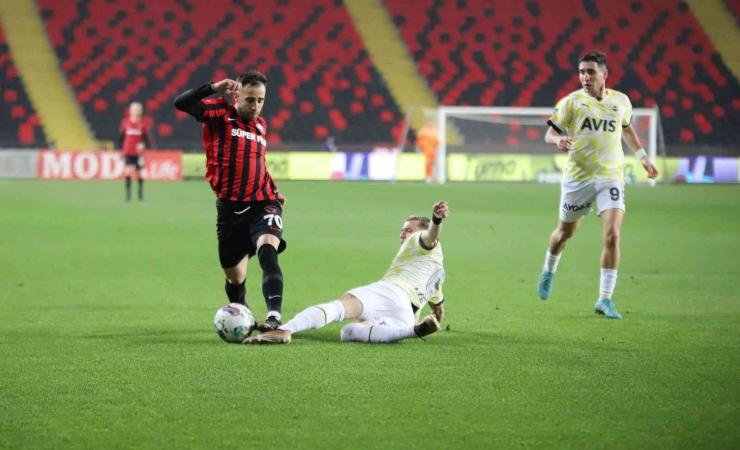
x=577, y=203
x=385, y=304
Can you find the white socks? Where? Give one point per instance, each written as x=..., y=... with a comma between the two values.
x=315, y=317
x=608, y=281
x=354, y=332
x=551, y=262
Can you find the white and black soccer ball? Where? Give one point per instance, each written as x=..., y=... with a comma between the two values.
x=234, y=322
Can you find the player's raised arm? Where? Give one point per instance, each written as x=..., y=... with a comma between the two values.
x=633, y=142
x=191, y=101
x=430, y=236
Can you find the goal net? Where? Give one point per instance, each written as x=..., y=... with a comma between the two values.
x=508, y=144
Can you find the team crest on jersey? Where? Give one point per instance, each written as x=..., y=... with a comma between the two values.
x=271, y=209
x=259, y=127
x=615, y=108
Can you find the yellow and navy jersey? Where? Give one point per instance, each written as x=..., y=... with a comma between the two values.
x=418, y=270
x=596, y=128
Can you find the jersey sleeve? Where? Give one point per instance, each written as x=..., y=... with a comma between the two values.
x=195, y=103
x=419, y=246
x=561, y=116
x=213, y=109
x=627, y=119
x=438, y=298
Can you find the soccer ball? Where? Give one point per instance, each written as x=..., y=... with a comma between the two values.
x=234, y=322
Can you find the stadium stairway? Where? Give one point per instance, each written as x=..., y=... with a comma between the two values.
x=37, y=66
x=390, y=56
x=722, y=29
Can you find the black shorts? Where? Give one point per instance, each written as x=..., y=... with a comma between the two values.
x=239, y=225
x=132, y=161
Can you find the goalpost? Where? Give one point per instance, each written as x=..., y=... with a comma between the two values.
x=482, y=133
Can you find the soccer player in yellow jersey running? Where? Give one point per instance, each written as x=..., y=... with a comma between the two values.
x=388, y=310
x=589, y=125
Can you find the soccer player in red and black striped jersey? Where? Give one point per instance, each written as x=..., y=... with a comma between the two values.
x=249, y=207
x=134, y=139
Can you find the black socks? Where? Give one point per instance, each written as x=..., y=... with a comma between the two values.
x=272, y=278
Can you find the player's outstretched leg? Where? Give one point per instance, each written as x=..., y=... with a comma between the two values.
x=310, y=318
x=369, y=332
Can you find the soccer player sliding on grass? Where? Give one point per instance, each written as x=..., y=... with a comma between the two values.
x=589, y=125
x=387, y=310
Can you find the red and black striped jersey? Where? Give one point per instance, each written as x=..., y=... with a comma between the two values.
x=131, y=134
x=235, y=154
x=235, y=150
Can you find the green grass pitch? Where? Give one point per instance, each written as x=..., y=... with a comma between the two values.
x=106, y=335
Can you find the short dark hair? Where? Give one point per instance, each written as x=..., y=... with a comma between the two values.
x=423, y=221
x=596, y=56
x=252, y=78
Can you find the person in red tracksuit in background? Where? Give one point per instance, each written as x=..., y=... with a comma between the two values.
x=134, y=140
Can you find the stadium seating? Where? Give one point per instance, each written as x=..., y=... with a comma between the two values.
x=19, y=124
x=524, y=54
x=321, y=79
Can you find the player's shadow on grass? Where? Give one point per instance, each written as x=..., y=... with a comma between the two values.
x=439, y=338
